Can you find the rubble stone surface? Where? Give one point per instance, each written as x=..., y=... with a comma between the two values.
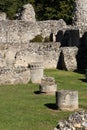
x=12, y=75
x=28, y=13
x=2, y=16
x=48, y=85
x=36, y=72
x=67, y=100
x=76, y=121
x=69, y=58
x=80, y=13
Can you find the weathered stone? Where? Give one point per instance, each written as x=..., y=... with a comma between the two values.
x=14, y=31
x=69, y=58
x=48, y=53
x=80, y=13
x=19, y=75
x=74, y=122
x=84, y=124
x=50, y=27
x=9, y=56
x=48, y=85
x=28, y=13
x=2, y=16
x=18, y=33
x=2, y=61
x=67, y=100
x=36, y=72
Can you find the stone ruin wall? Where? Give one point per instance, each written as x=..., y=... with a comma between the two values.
x=48, y=53
x=18, y=31
x=16, y=58
x=23, y=54
x=80, y=13
x=15, y=31
x=16, y=50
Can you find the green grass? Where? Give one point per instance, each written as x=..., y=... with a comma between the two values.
x=22, y=108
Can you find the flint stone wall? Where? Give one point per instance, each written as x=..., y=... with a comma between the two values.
x=14, y=31
x=19, y=31
x=28, y=13
x=50, y=27
x=12, y=75
x=48, y=53
x=24, y=54
x=2, y=16
x=80, y=13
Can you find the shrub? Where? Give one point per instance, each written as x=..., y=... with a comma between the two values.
x=47, y=39
x=37, y=38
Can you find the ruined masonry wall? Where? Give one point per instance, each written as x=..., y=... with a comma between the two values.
x=48, y=53
x=51, y=26
x=24, y=54
x=14, y=31
x=80, y=17
x=2, y=16
x=18, y=31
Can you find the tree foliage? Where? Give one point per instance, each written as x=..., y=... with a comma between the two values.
x=54, y=9
x=45, y=9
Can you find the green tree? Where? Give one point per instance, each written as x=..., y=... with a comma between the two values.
x=45, y=9
x=11, y=6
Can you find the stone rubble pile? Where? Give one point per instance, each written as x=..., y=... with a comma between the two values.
x=76, y=121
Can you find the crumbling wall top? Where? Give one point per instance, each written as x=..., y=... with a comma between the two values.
x=2, y=16
x=80, y=13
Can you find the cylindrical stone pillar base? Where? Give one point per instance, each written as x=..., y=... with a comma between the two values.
x=48, y=85
x=67, y=100
x=36, y=72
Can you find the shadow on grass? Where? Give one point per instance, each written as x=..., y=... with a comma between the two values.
x=80, y=71
x=83, y=107
x=51, y=106
x=83, y=80
x=37, y=92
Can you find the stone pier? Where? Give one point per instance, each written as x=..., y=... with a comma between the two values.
x=36, y=72
x=67, y=100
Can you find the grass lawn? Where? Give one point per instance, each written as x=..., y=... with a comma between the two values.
x=23, y=108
